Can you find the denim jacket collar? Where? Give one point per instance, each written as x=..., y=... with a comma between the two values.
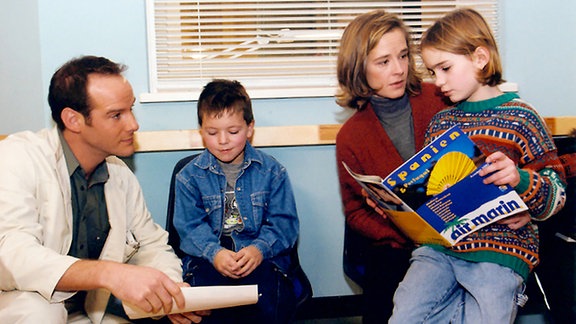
x=207, y=160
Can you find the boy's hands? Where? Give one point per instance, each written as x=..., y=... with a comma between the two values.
x=249, y=258
x=225, y=263
x=240, y=264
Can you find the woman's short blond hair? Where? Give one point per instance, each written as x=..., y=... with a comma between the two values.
x=359, y=38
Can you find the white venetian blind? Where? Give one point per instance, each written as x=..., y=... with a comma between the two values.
x=282, y=48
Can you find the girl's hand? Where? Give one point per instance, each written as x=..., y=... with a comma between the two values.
x=505, y=171
x=515, y=222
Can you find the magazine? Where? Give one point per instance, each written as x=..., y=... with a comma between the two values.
x=202, y=298
x=437, y=196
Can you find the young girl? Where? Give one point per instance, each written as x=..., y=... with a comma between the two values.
x=479, y=279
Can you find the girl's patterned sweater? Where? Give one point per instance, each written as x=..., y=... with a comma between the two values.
x=510, y=125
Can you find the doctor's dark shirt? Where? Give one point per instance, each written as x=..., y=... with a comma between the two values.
x=90, y=225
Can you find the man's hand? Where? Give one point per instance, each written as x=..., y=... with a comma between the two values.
x=190, y=317
x=186, y=318
x=144, y=287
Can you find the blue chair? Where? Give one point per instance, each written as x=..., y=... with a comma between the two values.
x=354, y=258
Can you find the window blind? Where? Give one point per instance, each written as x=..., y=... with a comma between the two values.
x=282, y=48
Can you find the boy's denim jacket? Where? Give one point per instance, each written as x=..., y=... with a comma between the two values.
x=264, y=197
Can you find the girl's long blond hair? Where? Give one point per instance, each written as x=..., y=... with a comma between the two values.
x=461, y=32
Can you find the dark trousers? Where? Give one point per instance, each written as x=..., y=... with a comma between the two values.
x=276, y=303
x=385, y=268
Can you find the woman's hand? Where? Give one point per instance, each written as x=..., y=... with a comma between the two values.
x=373, y=204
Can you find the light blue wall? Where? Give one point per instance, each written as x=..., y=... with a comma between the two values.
x=539, y=52
x=21, y=88
x=537, y=49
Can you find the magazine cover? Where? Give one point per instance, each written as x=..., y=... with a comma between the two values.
x=437, y=195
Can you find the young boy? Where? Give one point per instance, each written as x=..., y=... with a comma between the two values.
x=235, y=211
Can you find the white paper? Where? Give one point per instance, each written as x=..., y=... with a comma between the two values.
x=201, y=298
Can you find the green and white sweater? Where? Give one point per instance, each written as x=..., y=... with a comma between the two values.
x=510, y=125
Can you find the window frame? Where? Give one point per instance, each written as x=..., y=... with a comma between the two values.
x=328, y=89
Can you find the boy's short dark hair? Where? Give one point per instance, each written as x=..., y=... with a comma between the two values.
x=220, y=96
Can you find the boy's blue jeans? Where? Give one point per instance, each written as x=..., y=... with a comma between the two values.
x=439, y=288
x=276, y=304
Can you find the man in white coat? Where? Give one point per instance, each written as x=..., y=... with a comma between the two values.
x=74, y=227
